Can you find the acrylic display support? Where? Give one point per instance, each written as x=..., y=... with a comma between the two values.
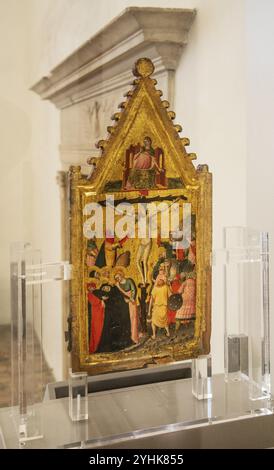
x=27, y=276
x=78, y=395
x=245, y=260
x=202, y=377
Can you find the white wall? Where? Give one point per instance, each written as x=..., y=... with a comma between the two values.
x=211, y=106
x=29, y=136
x=46, y=222
x=214, y=102
x=15, y=138
x=260, y=123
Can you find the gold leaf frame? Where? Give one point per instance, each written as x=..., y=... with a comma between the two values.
x=143, y=112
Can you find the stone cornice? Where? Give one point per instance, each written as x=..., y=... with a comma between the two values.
x=104, y=62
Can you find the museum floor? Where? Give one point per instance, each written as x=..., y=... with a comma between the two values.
x=5, y=367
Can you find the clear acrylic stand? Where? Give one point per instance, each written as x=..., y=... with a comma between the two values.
x=202, y=377
x=78, y=395
x=245, y=260
x=27, y=275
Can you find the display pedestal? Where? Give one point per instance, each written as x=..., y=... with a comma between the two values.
x=202, y=377
x=27, y=275
x=160, y=415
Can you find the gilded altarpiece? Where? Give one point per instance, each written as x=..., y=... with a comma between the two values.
x=140, y=242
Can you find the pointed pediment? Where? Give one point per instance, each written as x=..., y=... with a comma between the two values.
x=144, y=149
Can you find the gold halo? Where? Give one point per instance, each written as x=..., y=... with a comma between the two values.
x=143, y=67
x=104, y=269
x=117, y=270
x=106, y=279
x=161, y=250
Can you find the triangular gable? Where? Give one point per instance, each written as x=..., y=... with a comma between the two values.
x=143, y=114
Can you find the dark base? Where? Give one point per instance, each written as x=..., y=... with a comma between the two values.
x=130, y=378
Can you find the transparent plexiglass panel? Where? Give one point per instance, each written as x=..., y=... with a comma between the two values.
x=201, y=377
x=28, y=275
x=26, y=329
x=246, y=308
x=78, y=395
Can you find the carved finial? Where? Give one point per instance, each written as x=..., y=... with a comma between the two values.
x=143, y=67
x=165, y=104
x=91, y=160
x=185, y=141
x=123, y=105
x=135, y=81
x=101, y=144
x=110, y=129
x=128, y=94
x=116, y=116
x=171, y=115
x=178, y=127
x=192, y=156
x=75, y=172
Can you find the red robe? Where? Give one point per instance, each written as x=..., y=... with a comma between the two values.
x=97, y=321
x=174, y=287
